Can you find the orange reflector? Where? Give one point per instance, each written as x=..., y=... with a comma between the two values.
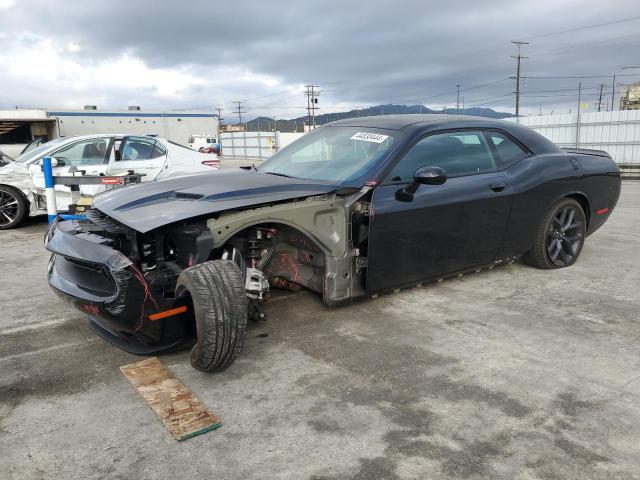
x=602, y=211
x=168, y=313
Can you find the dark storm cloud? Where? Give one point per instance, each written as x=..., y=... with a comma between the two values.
x=359, y=52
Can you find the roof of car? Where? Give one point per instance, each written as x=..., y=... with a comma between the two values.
x=101, y=135
x=419, y=124
x=398, y=122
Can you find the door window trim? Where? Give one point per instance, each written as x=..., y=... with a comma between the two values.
x=143, y=138
x=107, y=154
x=482, y=130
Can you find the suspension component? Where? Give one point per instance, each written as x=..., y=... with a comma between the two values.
x=253, y=247
x=256, y=283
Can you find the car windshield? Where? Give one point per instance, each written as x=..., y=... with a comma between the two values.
x=334, y=154
x=36, y=152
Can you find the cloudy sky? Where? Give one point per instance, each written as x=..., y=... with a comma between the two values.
x=199, y=54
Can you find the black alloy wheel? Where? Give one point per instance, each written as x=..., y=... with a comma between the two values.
x=560, y=236
x=13, y=207
x=565, y=236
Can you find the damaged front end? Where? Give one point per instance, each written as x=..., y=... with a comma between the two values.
x=93, y=267
x=126, y=280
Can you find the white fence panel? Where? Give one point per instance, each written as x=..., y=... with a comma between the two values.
x=254, y=145
x=618, y=133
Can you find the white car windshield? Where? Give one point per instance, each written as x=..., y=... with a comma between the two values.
x=334, y=154
x=36, y=152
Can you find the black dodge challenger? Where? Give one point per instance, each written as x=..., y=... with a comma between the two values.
x=355, y=208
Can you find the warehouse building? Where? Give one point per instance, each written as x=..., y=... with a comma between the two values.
x=19, y=127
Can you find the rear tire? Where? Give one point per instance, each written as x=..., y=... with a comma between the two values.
x=13, y=207
x=220, y=308
x=560, y=236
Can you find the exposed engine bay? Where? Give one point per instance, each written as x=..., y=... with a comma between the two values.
x=317, y=243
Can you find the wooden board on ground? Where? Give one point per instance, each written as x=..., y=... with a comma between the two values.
x=182, y=413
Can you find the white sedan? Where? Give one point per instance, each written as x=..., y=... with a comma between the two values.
x=22, y=181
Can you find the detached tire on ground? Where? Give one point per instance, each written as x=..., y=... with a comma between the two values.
x=560, y=236
x=220, y=309
x=13, y=207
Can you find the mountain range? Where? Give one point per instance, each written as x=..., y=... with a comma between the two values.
x=296, y=124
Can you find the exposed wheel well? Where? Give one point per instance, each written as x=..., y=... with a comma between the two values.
x=288, y=256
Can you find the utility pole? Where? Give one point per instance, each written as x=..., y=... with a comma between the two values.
x=613, y=92
x=519, y=58
x=239, y=112
x=600, y=97
x=312, y=101
x=578, y=116
x=220, y=119
x=458, y=100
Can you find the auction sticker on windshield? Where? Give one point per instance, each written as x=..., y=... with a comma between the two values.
x=369, y=137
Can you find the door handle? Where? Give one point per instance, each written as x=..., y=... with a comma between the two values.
x=498, y=186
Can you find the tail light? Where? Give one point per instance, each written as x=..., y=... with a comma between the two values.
x=211, y=163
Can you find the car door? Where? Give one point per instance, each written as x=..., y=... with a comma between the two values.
x=88, y=155
x=144, y=155
x=444, y=228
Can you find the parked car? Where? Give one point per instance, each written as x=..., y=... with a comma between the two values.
x=214, y=149
x=22, y=181
x=354, y=208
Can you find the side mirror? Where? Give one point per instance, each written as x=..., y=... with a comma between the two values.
x=423, y=176
x=54, y=162
x=430, y=176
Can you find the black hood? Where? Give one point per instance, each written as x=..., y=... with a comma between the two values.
x=154, y=204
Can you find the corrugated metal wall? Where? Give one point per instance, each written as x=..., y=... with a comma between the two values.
x=615, y=132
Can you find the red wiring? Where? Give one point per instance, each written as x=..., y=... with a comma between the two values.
x=148, y=294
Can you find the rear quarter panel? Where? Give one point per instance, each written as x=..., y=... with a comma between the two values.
x=539, y=181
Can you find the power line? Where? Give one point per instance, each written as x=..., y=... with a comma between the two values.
x=586, y=27
x=576, y=77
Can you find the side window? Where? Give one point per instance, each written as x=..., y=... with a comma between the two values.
x=458, y=153
x=87, y=152
x=158, y=150
x=508, y=152
x=136, y=148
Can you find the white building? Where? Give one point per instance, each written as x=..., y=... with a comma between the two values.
x=19, y=127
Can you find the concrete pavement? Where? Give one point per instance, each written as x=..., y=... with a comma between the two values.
x=514, y=373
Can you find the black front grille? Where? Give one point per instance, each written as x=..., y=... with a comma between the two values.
x=105, y=222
